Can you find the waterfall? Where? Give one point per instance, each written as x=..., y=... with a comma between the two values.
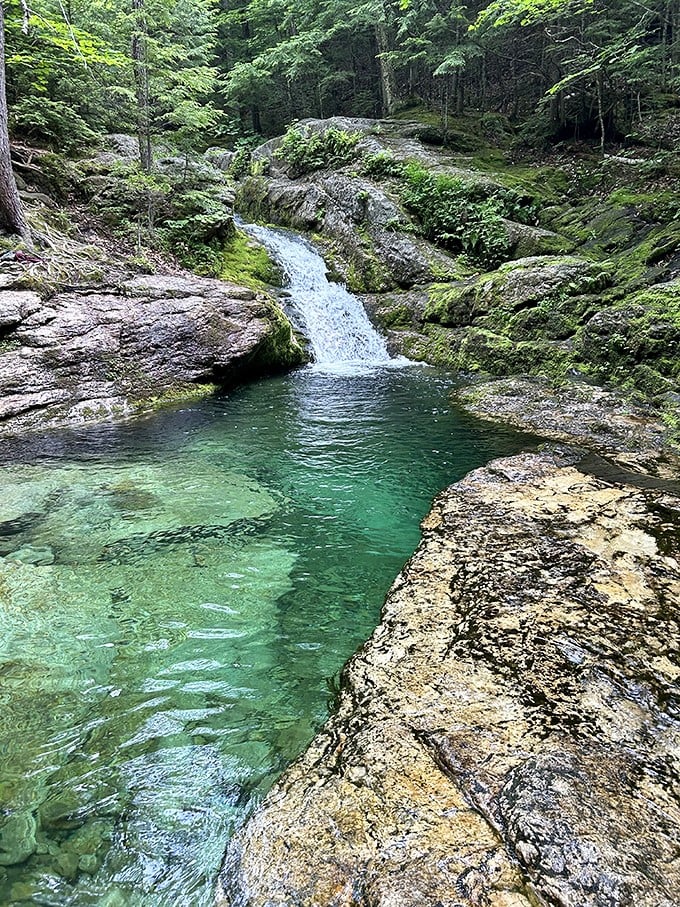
x=333, y=320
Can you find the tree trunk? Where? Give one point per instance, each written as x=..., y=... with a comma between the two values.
x=388, y=82
x=140, y=65
x=11, y=210
x=600, y=108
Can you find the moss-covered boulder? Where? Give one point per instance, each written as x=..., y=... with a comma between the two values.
x=514, y=287
x=637, y=342
x=476, y=350
x=525, y=240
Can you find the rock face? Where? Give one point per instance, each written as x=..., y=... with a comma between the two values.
x=589, y=282
x=361, y=221
x=89, y=354
x=371, y=236
x=630, y=434
x=509, y=736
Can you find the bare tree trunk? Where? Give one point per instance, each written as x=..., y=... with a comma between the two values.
x=139, y=52
x=388, y=82
x=600, y=108
x=11, y=210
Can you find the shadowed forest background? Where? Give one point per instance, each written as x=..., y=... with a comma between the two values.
x=201, y=72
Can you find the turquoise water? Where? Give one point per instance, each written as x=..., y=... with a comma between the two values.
x=177, y=596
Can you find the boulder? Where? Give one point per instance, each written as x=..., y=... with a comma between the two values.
x=638, y=338
x=89, y=354
x=525, y=240
x=577, y=413
x=516, y=286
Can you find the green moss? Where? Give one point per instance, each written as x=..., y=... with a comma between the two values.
x=636, y=343
x=280, y=350
x=436, y=345
x=450, y=304
x=546, y=183
x=670, y=415
x=365, y=274
x=659, y=244
x=180, y=393
x=395, y=317
x=246, y=263
x=251, y=198
x=661, y=205
x=479, y=350
x=490, y=300
x=545, y=322
x=418, y=113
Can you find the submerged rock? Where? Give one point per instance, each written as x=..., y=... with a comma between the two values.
x=17, y=838
x=37, y=555
x=91, y=354
x=509, y=736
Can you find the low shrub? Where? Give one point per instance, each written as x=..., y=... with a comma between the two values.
x=464, y=216
x=305, y=151
x=382, y=166
x=52, y=123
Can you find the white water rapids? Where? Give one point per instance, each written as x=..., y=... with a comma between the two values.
x=330, y=317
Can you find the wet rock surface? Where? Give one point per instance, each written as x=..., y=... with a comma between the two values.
x=96, y=352
x=510, y=734
x=630, y=434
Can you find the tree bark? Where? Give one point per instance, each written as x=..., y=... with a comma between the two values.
x=388, y=82
x=12, y=215
x=600, y=108
x=140, y=64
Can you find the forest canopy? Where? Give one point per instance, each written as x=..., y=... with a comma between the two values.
x=201, y=72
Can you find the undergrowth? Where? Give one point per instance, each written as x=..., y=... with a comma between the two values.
x=465, y=216
x=306, y=151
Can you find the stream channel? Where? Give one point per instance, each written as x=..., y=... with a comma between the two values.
x=179, y=593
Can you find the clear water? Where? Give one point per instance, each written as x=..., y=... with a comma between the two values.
x=176, y=597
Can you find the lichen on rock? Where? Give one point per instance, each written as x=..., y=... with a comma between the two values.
x=508, y=736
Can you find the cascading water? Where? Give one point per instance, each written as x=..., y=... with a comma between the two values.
x=333, y=320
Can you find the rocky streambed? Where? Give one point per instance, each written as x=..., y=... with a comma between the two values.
x=510, y=733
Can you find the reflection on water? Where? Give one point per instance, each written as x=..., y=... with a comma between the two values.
x=175, y=598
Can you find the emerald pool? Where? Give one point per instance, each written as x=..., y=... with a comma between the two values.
x=177, y=597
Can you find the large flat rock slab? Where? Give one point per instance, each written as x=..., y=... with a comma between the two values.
x=604, y=420
x=510, y=734
x=99, y=352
